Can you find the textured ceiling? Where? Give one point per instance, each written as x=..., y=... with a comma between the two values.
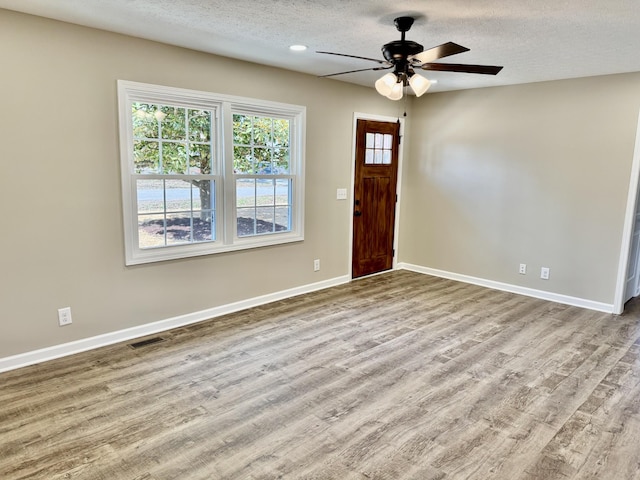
x=535, y=40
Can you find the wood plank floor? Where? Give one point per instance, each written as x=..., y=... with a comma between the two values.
x=397, y=376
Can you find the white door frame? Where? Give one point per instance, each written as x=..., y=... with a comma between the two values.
x=627, y=230
x=378, y=118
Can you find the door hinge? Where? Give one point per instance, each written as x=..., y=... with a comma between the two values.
x=393, y=252
x=396, y=198
x=399, y=139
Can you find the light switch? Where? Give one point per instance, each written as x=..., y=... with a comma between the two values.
x=341, y=194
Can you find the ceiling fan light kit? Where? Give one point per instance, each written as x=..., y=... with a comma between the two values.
x=404, y=56
x=396, y=91
x=392, y=86
x=385, y=84
x=419, y=84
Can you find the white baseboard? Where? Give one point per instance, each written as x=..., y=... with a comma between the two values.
x=57, y=351
x=529, y=292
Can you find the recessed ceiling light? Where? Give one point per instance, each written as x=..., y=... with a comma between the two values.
x=298, y=48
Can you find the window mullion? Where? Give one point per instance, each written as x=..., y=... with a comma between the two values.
x=228, y=196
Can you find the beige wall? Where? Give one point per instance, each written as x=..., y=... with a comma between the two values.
x=62, y=239
x=534, y=174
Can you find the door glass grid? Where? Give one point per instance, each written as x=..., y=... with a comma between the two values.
x=378, y=149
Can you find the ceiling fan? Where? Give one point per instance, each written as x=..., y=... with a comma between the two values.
x=404, y=56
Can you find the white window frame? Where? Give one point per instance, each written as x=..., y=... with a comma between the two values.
x=222, y=107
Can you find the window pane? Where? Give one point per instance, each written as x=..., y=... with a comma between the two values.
x=246, y=218
x=262, y=131
x=261, y=145
x=377, y=157
x=178, y=195
x=146, y=156
x=263, y=160
x=265, y=217
x=199, y=125
x=151, y=231
x=281, y=133
x=203, y=222
x=150, y=196
x=386, y=157
x=378, y=141
x=241, y=129
x=174, y=158
x=200, y=159
x=283, y=191
x=370, y=140
x=265, y=192
x=179, y=228
x=171, y=212
x=245, y=192
x=242, y=160
x=368, y=156
x=281, y=161
x=145, y=123
x=387, y=141
x=173, y=123
x=283, y=219
x=203, y=194
x=257, y=212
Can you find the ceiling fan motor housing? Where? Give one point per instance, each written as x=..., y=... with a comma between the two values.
x=399, y=50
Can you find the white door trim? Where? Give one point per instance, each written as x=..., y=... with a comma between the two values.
x=378, y=118
x=627, y=230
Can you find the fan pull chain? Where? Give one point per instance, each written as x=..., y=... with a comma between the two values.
x=406, y=91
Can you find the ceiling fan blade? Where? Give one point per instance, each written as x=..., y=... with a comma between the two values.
x=459, y=67
x=382, y=62
x=441, y=51
x=354, y=71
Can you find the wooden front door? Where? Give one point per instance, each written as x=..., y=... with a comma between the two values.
x=374, y=203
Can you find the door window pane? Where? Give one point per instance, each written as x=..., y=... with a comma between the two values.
x=378, y=149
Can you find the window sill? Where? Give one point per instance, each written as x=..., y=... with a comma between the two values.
x=177, y=252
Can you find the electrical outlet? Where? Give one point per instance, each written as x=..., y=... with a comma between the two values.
x=64, y=316
x=544, y=273
x=316, y=265
x=523, y=269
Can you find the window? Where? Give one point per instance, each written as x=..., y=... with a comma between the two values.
x=172, y=161
x=379, y=147
x=261, y=164
x=205, y=173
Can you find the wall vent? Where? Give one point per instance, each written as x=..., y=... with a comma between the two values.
x=148, y=341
